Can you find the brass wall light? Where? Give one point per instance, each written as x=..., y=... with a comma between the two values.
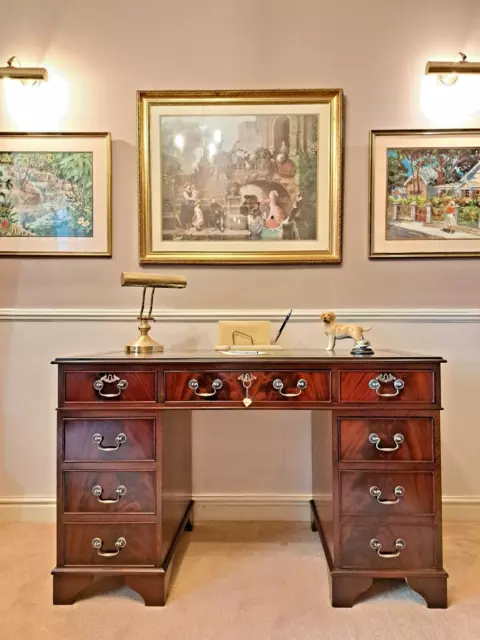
x=15, y=70
x=144, y=343
x=448, y=72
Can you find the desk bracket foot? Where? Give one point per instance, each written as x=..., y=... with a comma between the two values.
x=151, y=588
x=432, y=589
x=67, y=587
x=344, y=590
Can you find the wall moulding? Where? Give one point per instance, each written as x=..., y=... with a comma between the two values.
x=212, y=315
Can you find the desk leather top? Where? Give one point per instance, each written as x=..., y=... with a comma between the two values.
x=219, y=356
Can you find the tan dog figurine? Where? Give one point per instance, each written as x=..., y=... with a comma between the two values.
x=340, y=331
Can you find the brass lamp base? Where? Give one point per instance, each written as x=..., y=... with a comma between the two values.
x=144, y=343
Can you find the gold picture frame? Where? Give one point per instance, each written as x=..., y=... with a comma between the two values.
x=55, y=194
x=424, y=193
x=214, y=165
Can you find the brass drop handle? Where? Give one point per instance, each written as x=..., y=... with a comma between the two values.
x=384, y=378
x=376, y=493
x=400, y=544
x=97, y=543
x=397, y=438
x=97, y=492
x=120, y=439
x=216, y=385
x=278, y=386
x=110, y=378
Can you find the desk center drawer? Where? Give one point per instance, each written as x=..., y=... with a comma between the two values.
x=259, y=386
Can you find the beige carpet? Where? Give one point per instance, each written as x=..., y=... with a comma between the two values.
x=246, y=581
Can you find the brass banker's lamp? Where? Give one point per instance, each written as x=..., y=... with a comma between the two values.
x=144, y=343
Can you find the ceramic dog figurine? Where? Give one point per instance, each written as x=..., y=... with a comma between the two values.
x=340, y=331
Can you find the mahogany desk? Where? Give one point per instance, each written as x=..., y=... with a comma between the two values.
x=125, y=473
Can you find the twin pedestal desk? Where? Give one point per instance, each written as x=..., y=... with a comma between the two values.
x=125, y=472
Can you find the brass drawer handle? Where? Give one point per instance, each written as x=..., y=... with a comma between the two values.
x=97, y=438
x=278, y=386
x=399, y=546
x=376, y=493
x=97, y=543
x=384, y=378
x=110, y=378
x=397, y=438
x=120, y=491
x=216, y=385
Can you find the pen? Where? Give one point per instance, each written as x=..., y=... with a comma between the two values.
x=287, y=318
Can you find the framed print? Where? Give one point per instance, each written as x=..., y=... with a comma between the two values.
x=246, y=177
x=55, y=194
x=425, y=193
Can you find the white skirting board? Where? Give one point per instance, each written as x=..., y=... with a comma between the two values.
x=234, y=507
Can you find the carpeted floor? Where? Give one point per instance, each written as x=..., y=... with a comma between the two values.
x=237, y=581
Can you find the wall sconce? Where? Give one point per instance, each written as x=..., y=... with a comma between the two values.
x=22, y=73
x=448, y=71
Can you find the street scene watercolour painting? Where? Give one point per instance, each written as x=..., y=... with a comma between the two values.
x=253, y=182
x=425, y=193
x=55, y=194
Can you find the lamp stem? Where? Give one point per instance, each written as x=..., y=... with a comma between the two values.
x=151, y=304
x=143, y=303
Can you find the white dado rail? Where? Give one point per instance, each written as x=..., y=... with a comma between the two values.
x=212, y=315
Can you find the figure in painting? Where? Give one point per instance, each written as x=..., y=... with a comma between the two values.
x=187, y=206
x=275, y=214
x=197, y=220
x=216, y=218
x=450, y=220
x=256, y=221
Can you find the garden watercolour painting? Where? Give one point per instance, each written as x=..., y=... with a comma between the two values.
x=46, y=194
x=233, y=177
x=433, y=193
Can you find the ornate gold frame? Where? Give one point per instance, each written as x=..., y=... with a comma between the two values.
x=108, y=151
x=406, y=132
x=147, y=99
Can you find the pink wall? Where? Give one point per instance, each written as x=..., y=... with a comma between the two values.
x=375, y=50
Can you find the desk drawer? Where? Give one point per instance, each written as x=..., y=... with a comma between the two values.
x=109, y=544
x=114, y=387
x=265, y=386
x=109, y=492
x=392, y=546
x=382, y=439
x=383, y=493
x=108, y=439
x=387, y=386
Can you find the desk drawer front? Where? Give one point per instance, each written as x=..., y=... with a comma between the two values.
x=109, y=492
x=109, y=544
x=386, y=439
x=114, y=387
x=382, y=493
x=265, y=386
x=393, y=546
x=108, y=439
x=387, y=386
